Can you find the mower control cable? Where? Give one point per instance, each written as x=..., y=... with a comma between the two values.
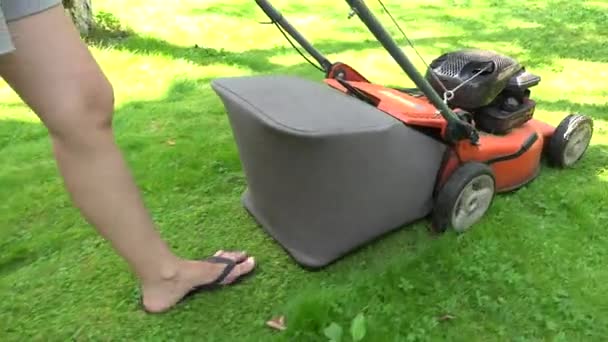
x=361, y=95
x=287, y=30
x=293, y=45
x=456, y=129
x=447, y=94
x=412, y=45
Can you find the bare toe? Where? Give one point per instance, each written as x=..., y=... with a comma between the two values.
x=237, y=256
x=239, y=270
x=194, y=274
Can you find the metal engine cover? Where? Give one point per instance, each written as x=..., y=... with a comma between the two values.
x=452, y=69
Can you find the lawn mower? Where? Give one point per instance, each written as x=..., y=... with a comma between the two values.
x=476, y=101
x=331, y=168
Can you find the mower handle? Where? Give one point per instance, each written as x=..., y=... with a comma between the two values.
x=457, y=129
x=277, y=18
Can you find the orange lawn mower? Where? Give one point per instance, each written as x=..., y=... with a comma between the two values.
x=359, y=158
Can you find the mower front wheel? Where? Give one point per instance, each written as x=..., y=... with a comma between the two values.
x=570, y=140
x=464, y=198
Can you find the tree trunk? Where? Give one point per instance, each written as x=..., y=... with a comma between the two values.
x=81, y=12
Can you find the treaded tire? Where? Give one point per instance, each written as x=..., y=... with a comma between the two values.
x=574, y=125
x=449, y=197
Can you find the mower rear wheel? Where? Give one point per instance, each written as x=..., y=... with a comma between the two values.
x=464, y=198
x=570, y=140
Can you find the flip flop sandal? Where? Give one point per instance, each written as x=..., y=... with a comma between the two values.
x=213, y=285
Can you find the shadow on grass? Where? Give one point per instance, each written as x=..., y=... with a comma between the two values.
x=596, y=111
x=144, y=129
x=410, y=287
x=257, y=60
x=545, y=33
x=15, y=132
x=226, y=10
x=196, y=181
x=537, y=43
x=553, y=30
x=529, y=263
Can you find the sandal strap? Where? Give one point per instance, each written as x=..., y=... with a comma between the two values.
x=230, y=264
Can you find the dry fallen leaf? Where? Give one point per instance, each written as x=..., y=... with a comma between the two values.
x=277, y=323
x=447, y=317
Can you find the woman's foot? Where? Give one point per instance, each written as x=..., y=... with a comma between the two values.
x=164, y=294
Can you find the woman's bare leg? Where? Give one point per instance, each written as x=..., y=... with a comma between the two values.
x=54, y=73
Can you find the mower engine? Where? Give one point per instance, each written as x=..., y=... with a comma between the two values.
x=492, y=87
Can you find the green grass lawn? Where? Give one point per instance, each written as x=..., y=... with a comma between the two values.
x=533, y=269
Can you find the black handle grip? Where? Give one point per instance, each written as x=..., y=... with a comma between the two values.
x=529, y=142
x=525, y=146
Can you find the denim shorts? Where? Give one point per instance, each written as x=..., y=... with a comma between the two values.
x=15, y=9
